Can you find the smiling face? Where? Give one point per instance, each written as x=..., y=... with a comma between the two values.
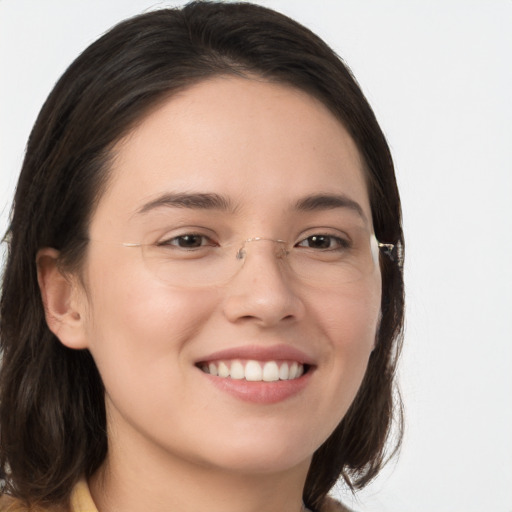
x=248, y=366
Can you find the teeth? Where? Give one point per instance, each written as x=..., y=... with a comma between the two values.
x=223, y=370
x=270, y=372
x=293, y=370
x=237, y=371
x=255, y=371
x=284, y=372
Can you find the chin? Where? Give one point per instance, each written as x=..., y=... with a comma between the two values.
x=259, y=453
x=260, y=462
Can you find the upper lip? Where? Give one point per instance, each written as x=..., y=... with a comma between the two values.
x=260, y=353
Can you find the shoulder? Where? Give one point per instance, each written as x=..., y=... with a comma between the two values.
x=10, y=504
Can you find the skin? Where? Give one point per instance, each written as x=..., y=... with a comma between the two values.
x=175, y=441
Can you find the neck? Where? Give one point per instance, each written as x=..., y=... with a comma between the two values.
x=145, y=480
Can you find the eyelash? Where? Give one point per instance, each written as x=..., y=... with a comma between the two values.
x=169, y=241
x=340, y=243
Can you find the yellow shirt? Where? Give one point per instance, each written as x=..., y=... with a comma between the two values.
x=81, y=501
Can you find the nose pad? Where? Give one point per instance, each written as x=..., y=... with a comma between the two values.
x=280, y=247
x=263, y=294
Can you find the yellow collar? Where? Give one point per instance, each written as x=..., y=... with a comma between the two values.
x=81, y=499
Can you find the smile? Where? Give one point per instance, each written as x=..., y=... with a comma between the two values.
x=254, y=371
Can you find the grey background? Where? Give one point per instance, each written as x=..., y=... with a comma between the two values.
x=439, y=76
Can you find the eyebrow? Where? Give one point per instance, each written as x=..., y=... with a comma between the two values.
x=212, y=201
x=317, y=202
x=201, y=201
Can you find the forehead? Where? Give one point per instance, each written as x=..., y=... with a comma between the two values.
x=255, y=142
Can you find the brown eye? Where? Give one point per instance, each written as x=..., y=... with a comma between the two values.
x=319, y=242
x=323, y=242
x=187, y=241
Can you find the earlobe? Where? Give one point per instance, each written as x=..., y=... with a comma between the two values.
x=61, y=300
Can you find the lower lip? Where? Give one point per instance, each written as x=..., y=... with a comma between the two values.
x=261, y=392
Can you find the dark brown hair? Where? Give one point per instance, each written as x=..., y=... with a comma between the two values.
x=52, y=412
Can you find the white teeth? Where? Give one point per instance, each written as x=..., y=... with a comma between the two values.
x=255, y=371
x=293, y=370
x=237, y=371
x=284, y=372
x=270, y=372
x=223, y=370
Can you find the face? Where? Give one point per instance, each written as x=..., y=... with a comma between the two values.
x=228, y=160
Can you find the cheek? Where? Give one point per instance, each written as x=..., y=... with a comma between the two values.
x=350, y=316
x=349, y=321
x=139, y=324
x=344, y=325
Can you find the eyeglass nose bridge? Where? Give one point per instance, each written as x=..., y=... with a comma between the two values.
x=281, y=252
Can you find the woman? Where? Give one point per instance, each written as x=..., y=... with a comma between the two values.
x=203, y=298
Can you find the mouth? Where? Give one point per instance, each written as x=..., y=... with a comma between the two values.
x=258, y=374
x=252, y=370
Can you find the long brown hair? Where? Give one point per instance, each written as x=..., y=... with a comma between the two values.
x=52, y=412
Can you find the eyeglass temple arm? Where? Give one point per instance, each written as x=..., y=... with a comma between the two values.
x=388, y=250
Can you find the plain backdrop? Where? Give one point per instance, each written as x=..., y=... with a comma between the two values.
x=439, y=76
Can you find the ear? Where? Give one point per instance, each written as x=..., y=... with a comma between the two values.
x=63, y=300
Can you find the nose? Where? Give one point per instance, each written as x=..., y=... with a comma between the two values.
x=262, y=290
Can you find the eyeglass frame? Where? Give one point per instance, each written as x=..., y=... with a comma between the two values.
x=386, y=248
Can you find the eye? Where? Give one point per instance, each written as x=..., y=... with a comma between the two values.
x=188, y=241
x=324, y=242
